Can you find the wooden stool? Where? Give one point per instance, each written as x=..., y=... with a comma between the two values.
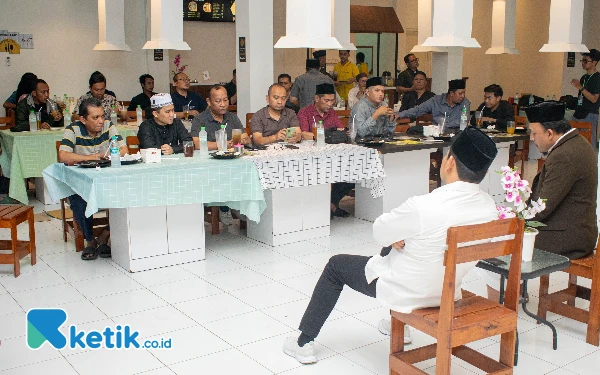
x=12, y=215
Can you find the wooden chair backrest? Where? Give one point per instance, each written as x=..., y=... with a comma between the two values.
x=232, y=108
x=133, y=144
x=470, y=253
x=402, y=128
x=249, y=123
x=126, y=103
x=344, y=115
x=585, y=129
x=520, y=121
x=425, y=120
x=57, y=147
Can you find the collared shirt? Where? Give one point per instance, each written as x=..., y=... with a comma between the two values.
x=206, y=119
x=352, y=99
x=412, y=278
x=263, y=123
x=502, y=114
x=108, y=101
x=405, y=78
x=363, y=68
x=411, y=99
x=558, y=140
x=142, y=100
x=196, y=102
x=305, y=86
x=344, y=73
x=308, y=116
x=438, y=106
x=12, y=98
x=77, y=139
x=362, y=113
x=154, y=135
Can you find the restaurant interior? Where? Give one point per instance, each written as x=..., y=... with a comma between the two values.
x=225, y=297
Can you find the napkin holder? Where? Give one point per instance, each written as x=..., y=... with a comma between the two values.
x=150, y=155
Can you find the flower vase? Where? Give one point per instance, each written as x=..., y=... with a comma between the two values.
x=528, y=242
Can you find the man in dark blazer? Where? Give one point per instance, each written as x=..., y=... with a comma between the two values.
x=568, y=180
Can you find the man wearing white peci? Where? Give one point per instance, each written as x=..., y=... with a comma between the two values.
x=408, y=275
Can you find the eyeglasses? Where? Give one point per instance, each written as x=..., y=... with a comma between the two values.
x=183, y=79
x=412, y=61
x=586, y=61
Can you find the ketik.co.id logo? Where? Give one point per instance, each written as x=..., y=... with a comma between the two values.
x=44, y=325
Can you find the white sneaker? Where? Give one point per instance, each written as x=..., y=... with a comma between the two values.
x=226, y=218
x=304, y=354
x=385, y=326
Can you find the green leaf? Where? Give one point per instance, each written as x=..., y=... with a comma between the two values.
x=534, y=224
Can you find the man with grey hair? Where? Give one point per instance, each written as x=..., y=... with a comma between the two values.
x=371, y=118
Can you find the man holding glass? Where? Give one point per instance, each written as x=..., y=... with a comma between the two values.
x=38, y=101
x=370, y=117
x=275, y=122
x=163, y=130
x=494, y=110
x=182, y=96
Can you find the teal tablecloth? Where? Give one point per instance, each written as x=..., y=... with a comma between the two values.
x=26, y=154
x=178, y=180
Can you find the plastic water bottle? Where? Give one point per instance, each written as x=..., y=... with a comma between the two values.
x=138, y=115
x=32, y=121
x=463, y=118
x=386, y=101
x=67, y=117
x=554, y=97
x=115, y=153
x=203, y=142
x=113, y=116
x=320, y=134
x=517, y=99
x=547, y=97
x=66, y=99
x=55, y=99
x=531, y=99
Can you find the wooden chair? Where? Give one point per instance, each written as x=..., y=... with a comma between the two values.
x=8, y=121
x=519, y=154
x=133, y=144
x=12, y=215
x=456, y=323
x=588, y=267
x=70, y=226
x=232, y=108
x=344, y=115
x=425, y=120
x=585, y=129
x=249, y=124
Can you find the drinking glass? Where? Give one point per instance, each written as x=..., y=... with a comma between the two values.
x=478, y=119
x=219, y=135
x=53, y=109
x=188, y=149
x=510, y=127
x=186, y=111
x=236, y=136
x=38, y=117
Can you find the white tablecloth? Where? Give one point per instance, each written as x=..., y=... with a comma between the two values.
x=280, y=167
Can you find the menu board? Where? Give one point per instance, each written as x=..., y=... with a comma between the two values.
x=209, y=10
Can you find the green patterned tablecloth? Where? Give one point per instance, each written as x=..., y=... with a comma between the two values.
x=26, y=154
x=175, y=180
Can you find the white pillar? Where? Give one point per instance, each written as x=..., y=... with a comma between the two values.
x=255, y=75
x=111, y=26
x=446, y=67
x=425, y=28
x=452, y=24
x=166, y=25
x=504, y=20
x=566, y=27
x=341, y=23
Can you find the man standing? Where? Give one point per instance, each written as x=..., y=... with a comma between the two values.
x=589, y=92
x=85, y=140
x=98, y=90
x=285, y=80
x=345, y=74
x=320, y=110
x=37, y=101
x=143, y=99
x=362, y=66
x=358, y=91
x=163, y=130
x=408, y=275
x=271, y=123
x=494, y=110
x=321, y=55
x=449, y=105
x=305, y=86
x=370, y=117
x=568, y=181
x=183, y=96
x=231, y=88
x=404, y=83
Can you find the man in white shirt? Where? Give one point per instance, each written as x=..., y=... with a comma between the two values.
x=408, y=275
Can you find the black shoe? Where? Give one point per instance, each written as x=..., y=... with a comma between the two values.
x=340, y=213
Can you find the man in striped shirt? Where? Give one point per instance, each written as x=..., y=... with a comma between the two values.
x=86, y=140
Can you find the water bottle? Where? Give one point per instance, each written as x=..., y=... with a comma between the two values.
x=320, y=134
x=113, y=116
x=55, y=99
x=517, y=99
x=138, y=114
x=115, y=153
x=32, y=121
x=67, y=117
x=463, y=118
x=203, y=142
x=547, y=97
x=342, y=104
x=66, y=99
x=386, y=101
x=531, y=99
x=554, y=97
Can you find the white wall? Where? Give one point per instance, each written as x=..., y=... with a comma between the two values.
x=65, y=32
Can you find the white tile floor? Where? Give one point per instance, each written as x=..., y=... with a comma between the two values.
x=230, y=313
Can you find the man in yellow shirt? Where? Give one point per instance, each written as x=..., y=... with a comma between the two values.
x=362, y=66
x=345, y=73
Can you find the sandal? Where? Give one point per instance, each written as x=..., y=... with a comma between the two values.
x=104, y=251
x=340, y=213
x=89, y=253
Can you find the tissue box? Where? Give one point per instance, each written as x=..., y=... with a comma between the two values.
x=150, y=155
x=430, y=130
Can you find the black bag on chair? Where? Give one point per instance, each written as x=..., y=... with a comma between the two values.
x=334, y=136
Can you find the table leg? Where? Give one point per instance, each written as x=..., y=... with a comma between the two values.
x=538, y=318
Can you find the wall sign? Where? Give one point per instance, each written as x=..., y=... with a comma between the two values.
x=242, y=48
x=158, y=55
x=570, y=59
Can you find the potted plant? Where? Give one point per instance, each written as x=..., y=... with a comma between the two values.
x=177, y=62
x=517, y=192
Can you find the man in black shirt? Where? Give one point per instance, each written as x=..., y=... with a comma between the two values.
x=143, y=99
x=163, y=131
x=419, y=95
x=231, y=88
x=589, y=92
x=495, y=110
x=38, y=101
x=404, y=82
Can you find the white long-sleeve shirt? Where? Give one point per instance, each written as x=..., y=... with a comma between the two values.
x=412, y=278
